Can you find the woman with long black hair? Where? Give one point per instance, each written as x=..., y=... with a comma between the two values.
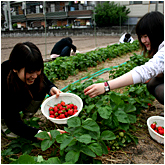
x=23, y=88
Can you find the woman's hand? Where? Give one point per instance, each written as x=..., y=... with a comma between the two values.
x=94, y=90
x=54, y=91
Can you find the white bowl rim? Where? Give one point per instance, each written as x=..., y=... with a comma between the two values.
x=154, y=117
x=61, y=94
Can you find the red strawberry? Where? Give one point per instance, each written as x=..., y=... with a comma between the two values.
x=161, y=131
x=51, y=112
x=62, y=103
x=153, y=125
x=75, y=110
x=159, y=128
x=66, y=113
x=56, y=114
x=52, y=116
x=75, y=107
x=71, y=105
x=55, y=109
x=70, y=112
x=156, y=130
x=61, y=116
x=68, y=107
x=51, y=109
x=60, y=108
x=60, y=111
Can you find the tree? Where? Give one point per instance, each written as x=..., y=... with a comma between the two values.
x=110, y=14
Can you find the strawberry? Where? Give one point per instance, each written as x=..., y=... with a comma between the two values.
x=60, y=111
x=153, y=125
x=75, y=107
x=156, y=130
x=68, y=107
x=62, y=103
x=56, y=114
x=70, y=112
x=161, y=131
x=71, y=105
x=51, y=109
x=75, y=110
x=51, y=112
x=55, y=109
x=66, y=113
x=61, y=116
x=159, y=128
x=149, y=104
x=60, y=108
x=52, y=116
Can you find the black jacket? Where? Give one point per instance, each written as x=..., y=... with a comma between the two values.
x=58, y=47
x=12, y=103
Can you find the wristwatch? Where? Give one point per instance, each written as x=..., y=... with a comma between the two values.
x=106, y=86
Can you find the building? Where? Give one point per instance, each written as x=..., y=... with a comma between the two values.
x=64, y=14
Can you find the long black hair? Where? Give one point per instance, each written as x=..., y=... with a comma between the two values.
x=25, y=55
x=151, y=24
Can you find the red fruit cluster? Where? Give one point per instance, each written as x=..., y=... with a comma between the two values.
x=158, y=129
x=62, y=110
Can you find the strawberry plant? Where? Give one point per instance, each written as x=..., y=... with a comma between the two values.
x=62, y=67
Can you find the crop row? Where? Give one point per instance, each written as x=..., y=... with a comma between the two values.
x=63, y=67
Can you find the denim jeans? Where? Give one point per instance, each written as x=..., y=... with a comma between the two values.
x=65, y=51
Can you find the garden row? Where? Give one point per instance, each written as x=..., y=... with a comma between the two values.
x=106, y=122
x=63, y=67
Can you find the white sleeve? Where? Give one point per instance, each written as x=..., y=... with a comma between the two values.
x=152, y=68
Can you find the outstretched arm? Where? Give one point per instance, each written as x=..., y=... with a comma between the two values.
x=97, y=89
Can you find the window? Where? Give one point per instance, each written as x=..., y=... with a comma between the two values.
x=135, y=2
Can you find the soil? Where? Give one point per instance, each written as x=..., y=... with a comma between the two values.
x=147, y=151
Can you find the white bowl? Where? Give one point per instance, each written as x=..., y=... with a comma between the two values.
x=67, y=98
x=160, y=122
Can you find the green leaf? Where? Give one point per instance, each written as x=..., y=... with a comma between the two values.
x=96, y=148
x=53, y=160
x=27, y=148
x=61, y=137
x=90, y=107
x=90, y=125
x=103, y=146
x=122, y=116
x=43, y=135
x=72, y=156
x=84, y=138
x=66, y=142
x=74, y=122
x=129, y=108
x=45, y=144
x=54, y=133
x=108, y=135
x=105, y=112
x=87, y=151
x=25, y=159
x=132, y=118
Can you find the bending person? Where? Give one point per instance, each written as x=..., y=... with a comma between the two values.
x=150, y=32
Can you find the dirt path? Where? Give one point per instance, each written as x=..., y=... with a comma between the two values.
x=147, y=151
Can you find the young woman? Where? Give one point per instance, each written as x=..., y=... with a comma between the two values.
x=150, y=31
x=23, y=88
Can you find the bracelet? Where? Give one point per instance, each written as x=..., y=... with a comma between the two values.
x=108, y=85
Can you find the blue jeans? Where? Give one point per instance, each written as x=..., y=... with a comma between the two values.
x=65, y=51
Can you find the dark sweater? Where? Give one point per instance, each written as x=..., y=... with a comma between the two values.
x=58, y=47
x=12, y=103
